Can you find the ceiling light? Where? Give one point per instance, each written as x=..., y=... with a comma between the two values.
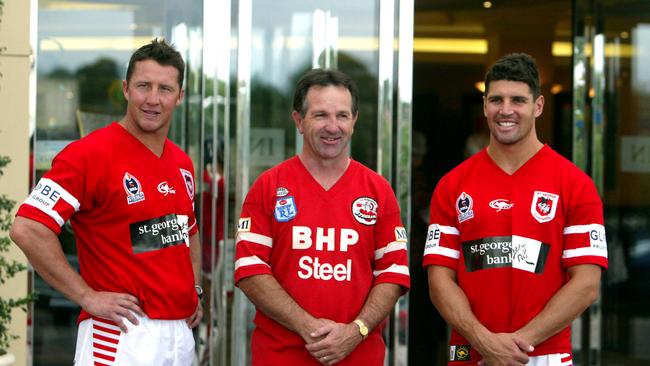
x=487, y=4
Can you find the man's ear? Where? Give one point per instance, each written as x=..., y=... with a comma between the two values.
x=298, y=120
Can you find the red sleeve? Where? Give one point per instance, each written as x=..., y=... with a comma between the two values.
x=254, y=241
x=60, y=193
x=391, y=255
x=584, y=232
x=442, y=246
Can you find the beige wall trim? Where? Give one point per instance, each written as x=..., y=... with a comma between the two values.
x=15, y=64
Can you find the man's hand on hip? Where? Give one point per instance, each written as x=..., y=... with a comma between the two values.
x=340, y=340
x=113, y=306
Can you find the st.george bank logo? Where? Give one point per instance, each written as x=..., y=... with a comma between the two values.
x=364, y=210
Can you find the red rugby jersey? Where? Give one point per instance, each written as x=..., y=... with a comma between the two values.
x=326, y=248
x=132, y=215
x=511, y=237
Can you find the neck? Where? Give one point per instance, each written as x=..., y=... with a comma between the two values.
x=325, y=172
x=154, y=141
x=512, y=157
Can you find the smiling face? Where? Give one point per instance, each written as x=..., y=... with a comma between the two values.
x=328, y=123
x=511, y=110
x=152, y=94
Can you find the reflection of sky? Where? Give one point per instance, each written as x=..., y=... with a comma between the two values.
x=281, y=44
x=53, y=24
x=641, y=59
x=282, y=35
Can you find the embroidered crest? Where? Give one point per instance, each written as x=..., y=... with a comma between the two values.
x=364, y=210
x=285, y=209
x=464, y=205
x=544, y=206
x=189, y=182
x=133, y=188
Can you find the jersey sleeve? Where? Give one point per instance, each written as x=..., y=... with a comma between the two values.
x=254, y=242
x=59, y=193
x=391, y=255
x=442, y=246
x=584, y=232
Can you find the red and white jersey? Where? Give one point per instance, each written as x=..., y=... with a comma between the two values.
x=132, y=215
x=511, y=238
x=327, y=249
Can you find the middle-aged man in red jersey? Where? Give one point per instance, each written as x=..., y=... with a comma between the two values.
x=128, y=192
x=516, y=244
x=321, y=250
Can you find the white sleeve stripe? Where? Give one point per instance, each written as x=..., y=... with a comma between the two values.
x=392, y=247
x=445, y=229
x=249, y=261
x=581, y=252
x=583, y=229
x=394, y=268
x=51, y=213
x=70, y=199
x=255, y=238
x=446, y=252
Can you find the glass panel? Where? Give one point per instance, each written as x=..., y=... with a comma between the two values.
x=625, y=150
x=83, y=51
x=277, y=43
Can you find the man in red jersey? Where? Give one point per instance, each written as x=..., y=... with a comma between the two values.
x=128, y=192
x=516, y=244
x=321, y=250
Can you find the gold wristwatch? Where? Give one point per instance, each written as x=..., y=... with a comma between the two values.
x=363, y=330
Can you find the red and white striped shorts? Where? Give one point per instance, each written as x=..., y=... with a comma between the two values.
x=100, y=342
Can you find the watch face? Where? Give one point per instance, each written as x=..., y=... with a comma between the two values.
x=199, y=290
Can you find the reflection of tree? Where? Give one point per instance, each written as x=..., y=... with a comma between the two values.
x=99, y=87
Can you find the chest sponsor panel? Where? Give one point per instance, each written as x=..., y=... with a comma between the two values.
x=321, y=240
x=518, y=252
x=158, y=233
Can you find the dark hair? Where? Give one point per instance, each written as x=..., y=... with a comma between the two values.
x=515, y=67
x=161, y=52
x=323, y=77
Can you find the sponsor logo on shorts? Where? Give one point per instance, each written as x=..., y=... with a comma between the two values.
x=544, y=206
x=364, y=210
x=459, y=353
x=133, y=189
x=464, y=205
x=281, y=192
x=505, y=251
x=501, y=204
x=189, y=182
x=160, y=232
x=285, y=209
x=165, y=189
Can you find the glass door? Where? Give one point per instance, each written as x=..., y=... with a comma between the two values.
x=254, y=53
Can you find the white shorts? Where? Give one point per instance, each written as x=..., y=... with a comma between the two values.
x=554, y=359
x=153, y=342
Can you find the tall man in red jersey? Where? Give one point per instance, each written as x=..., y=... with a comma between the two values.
x=321, y=250
x=516, y=244
x=128, y=192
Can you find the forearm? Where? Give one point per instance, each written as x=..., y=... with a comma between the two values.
x=453, y=305
x=380, y=302
x=43, y=250
x=566, y=305
x=195, y=257
x=270, y=298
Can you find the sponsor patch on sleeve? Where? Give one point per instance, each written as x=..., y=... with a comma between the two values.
x=244, y=224
x=47, y=194
x=400, y=234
